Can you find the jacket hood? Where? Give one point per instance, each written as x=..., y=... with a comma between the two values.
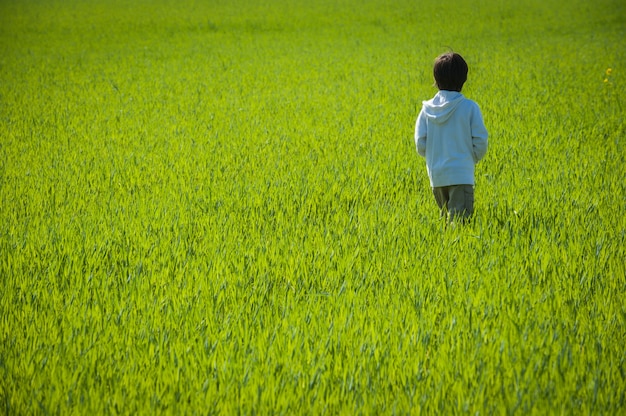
x=442, y=106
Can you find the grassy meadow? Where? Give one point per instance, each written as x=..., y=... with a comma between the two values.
x=217, y=207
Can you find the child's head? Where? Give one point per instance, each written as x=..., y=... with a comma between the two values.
x=450, y=71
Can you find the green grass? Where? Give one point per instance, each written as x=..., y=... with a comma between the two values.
x=217, y=207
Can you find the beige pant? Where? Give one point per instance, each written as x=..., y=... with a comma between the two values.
x=457, y=201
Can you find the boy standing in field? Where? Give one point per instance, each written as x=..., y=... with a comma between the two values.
x=451, y=135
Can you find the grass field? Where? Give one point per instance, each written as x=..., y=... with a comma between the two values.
x=216, y=207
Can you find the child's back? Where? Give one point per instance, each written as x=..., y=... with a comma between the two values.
x=452, y=138
x=451, y=135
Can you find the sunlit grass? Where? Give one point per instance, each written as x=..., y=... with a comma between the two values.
x=218, y=208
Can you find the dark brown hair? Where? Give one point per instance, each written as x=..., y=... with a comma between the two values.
x=450, y=71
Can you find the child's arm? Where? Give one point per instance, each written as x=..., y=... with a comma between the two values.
x=479, y=135
x=420, y=134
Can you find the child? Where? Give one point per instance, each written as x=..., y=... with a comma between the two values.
x=451, y=135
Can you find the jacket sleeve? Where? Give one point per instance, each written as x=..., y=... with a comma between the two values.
x=479, y=135
x=420, y=134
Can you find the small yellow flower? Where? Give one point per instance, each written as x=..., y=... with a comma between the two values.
x=606, y=80
x=608, y=71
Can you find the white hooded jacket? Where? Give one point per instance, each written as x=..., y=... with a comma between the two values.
x=451, y=135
